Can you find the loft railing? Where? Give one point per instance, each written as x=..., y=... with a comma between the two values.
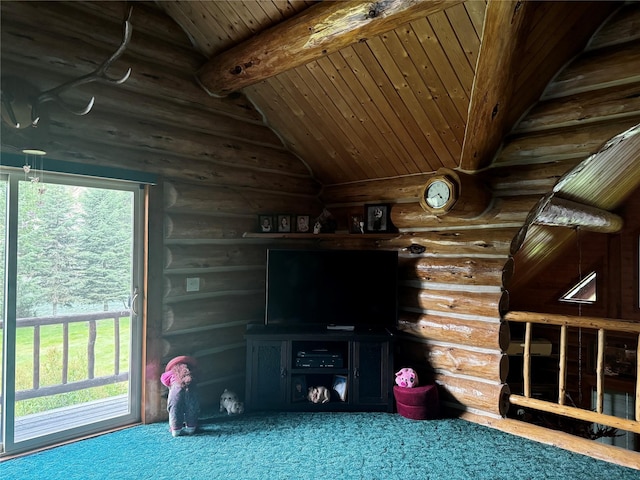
x=600, y=326
x=91, y=380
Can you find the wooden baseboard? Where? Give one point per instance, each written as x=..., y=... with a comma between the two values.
x=555, y=438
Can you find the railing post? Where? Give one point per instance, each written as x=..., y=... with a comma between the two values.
x=65, y=353
x=116, y=334
x=91, y=349
x=36, y=357
x=526, y=361
x=600, y=371
x=562, y=375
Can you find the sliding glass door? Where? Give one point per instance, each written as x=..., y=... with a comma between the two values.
x=70, y=320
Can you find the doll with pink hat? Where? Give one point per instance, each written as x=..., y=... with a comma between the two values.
x=183, y=403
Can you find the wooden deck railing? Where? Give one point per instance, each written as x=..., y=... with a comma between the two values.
x=91, y=380
x=600, y=326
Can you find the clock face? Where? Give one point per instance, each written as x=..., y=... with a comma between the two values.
x=438, y=194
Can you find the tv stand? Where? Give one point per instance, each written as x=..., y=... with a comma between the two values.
x=282, y=365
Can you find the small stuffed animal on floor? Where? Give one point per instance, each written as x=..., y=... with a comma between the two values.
x=318, y=394
x=407, y=378
x=230, y=402
x=183, y=403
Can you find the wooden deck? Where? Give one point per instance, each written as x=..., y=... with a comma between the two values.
x=51, y=421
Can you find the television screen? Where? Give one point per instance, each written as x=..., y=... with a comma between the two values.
x=332, y=287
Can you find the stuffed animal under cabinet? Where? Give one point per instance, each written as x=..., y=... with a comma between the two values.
x=183, y=403
x=407, y=377
x=318, y=394
x=230, y=402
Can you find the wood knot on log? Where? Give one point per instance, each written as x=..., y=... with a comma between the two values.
x=494, y=112
x=236, y=70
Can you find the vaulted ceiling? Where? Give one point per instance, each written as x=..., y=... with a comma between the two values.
x=369, y=90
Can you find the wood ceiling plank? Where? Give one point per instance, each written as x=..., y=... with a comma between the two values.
x=357, y=77
x=306, y=144
x=465, y=32
x=440, y=62
x=334, y=25
x=456, y=55
x=405, y=95
x=308, y=116
x=337, y=115
x=409, y=63
x=373, y=127
x=476, y=11
x=251, y=15
x=397, y=106
x=438, y=90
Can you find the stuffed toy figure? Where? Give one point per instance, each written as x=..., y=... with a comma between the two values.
x=230, y=403
x=407, y=377
x=318, y=394
x=183, y=403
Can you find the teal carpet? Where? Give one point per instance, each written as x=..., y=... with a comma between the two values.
x=318, y=446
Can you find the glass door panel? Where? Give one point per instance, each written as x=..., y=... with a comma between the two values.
x=76, y=331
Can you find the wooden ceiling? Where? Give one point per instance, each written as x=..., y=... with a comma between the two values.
x=439, y=91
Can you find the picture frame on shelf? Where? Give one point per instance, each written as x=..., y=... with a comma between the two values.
x=340, y=386
x=356, y=224
x=302, y=224
x=265, y=224
x=283, y=223
x=298, y=388
x=377, y=218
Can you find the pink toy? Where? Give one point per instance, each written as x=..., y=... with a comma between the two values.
x=407, y=378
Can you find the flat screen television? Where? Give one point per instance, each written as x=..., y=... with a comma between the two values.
x=319, y=288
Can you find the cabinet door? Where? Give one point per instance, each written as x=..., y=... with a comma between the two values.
x=371, y=374
x=266, y=383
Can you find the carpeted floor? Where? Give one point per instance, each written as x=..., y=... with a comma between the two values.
x=312, y=446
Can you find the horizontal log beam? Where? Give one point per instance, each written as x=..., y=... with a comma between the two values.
x=183, y=226
x=492, y=367
x=318, y=31
x=213, y=256
x=488, y=397
x=190, y=343
x=200, y=314
x=485, y=304
x=473, y=333
x=253, y=278
x=457, y=271
x=559, y=212
x=200, y=199
x=504, y=210
x=490, y=241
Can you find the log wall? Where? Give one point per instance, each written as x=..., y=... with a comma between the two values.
x=455, y=293
x=218, y=165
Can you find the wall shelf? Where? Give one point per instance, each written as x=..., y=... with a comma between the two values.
x=319, y=236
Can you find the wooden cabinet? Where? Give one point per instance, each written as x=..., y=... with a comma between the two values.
x=356, y=368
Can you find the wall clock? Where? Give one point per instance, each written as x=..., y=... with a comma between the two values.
x=439, y=194
x=449, y=192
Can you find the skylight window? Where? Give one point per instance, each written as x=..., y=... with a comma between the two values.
x=583, y=292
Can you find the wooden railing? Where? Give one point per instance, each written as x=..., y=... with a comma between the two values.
x=600, y=326
x=91, y=380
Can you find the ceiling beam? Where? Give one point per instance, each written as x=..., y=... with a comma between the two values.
x=506, y=25
x=319, y=30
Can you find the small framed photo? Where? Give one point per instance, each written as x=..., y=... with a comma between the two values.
x=340, y=386
x=265, y=224
x=284, y=223
x=377, y=219
x=302, y=223
x=356, y=224
x=298, y=388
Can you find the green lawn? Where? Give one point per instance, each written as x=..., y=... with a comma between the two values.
x=51, y=342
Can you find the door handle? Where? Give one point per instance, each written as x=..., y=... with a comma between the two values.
x=134, y=301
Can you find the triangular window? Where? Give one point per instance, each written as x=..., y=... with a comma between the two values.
x=583, y=292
